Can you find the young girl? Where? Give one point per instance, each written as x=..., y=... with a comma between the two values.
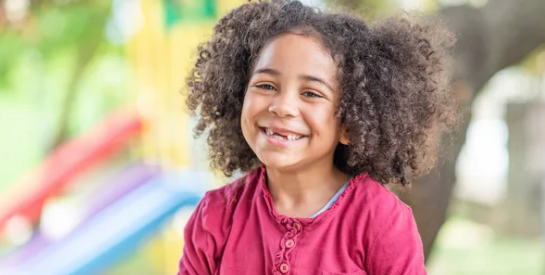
x=320, y=110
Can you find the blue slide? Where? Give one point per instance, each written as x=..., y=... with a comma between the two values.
x=119, y=229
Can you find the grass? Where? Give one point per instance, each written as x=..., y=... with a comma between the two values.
x=465, y=248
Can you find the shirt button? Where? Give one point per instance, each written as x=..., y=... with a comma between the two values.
x=290, y=243
x=296, y=226
x=284, y=268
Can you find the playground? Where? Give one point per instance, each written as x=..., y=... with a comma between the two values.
x=113, y=197
x=99, y=170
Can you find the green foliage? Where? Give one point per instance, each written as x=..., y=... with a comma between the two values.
x=462, y=250
x=12, y=45
x=38, y=64
x=51, y=30
x=176, y=11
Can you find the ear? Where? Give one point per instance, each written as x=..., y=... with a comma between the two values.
x=343, y=139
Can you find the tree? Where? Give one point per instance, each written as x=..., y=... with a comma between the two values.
x=490, y=38
x=36, y=28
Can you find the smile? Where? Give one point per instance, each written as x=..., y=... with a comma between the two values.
x=282, y=135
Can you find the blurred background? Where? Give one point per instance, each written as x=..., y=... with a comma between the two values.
x=99, y=171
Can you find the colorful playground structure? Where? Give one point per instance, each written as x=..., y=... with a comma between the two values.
x=114, y=199
x=118, y=217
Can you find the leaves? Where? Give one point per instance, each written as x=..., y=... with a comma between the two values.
x=51, y=30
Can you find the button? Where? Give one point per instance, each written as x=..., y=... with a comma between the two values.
x=284, y=268
x=296, y=226
x=290, y=243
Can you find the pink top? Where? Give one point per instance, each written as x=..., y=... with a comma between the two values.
x=235, y=230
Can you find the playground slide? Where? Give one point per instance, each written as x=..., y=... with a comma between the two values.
x=118, y=229
x=66, y=163
x=128, y=179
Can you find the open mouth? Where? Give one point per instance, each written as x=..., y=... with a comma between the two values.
x=281, y=136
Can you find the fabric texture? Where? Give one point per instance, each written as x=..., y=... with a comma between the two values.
x=235, y=230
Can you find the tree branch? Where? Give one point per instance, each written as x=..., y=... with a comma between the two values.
x=86, y=51
x=491, y=38
x=494, y=37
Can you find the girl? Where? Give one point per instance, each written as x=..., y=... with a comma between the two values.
x=320, y=110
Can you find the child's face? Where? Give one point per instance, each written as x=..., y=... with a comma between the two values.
x=288, y=117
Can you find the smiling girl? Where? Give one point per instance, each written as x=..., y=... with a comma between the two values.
x=320, y=111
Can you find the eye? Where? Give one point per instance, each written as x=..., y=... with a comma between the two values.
x=265, y=87
x=310, y=94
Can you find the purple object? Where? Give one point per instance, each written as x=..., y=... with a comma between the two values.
x=124, y=182
x=134, y=176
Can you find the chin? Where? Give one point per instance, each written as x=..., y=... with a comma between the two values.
x=283, y=163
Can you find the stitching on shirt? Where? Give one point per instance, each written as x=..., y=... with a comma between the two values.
x=234, y=195
x=358, y=179
x=283, y=255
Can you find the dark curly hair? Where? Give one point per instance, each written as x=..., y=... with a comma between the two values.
x=394, y=96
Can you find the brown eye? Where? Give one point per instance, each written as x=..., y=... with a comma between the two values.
x=265, y=87
x=311, y=94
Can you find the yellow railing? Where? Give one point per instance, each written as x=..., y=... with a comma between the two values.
x=161, y=58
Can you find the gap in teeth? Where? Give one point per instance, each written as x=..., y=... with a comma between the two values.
x=269, y=132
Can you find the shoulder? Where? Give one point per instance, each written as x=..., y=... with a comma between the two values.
x=378, y=197
x=218, y=205
x=380, y=210
x=212, y=220
x=392, y=238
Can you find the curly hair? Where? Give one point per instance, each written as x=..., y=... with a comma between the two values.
x=394, y=95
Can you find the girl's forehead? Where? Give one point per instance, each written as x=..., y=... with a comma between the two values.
x=295, y=53
x=295, y=41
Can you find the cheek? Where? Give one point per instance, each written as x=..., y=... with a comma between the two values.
x=244, y=116
x=250, y=109
x=253, y=105
x=323, y=122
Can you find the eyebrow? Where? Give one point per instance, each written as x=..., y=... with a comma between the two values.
x=303, y=76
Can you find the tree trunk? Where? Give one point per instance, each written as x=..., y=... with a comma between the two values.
x=85, y=54
x=498, y=35
x=490, y=38
x=84, y=57
x=521, y=207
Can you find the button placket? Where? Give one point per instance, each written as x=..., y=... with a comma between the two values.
x=296, y=226
x=287, y=243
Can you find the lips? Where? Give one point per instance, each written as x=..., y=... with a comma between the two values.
x=281, y=134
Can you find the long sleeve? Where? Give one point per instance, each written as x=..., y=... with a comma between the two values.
x=199, y=245
x=397, y=248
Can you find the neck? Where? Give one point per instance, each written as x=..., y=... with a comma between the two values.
x=304, y=192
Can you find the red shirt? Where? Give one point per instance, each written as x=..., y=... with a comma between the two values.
x=235, y=230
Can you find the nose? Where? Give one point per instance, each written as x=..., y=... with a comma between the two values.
x=284, y=104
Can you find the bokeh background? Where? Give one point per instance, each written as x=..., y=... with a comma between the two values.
x=99, y=171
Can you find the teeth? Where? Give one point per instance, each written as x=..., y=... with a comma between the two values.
x=270, y=132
